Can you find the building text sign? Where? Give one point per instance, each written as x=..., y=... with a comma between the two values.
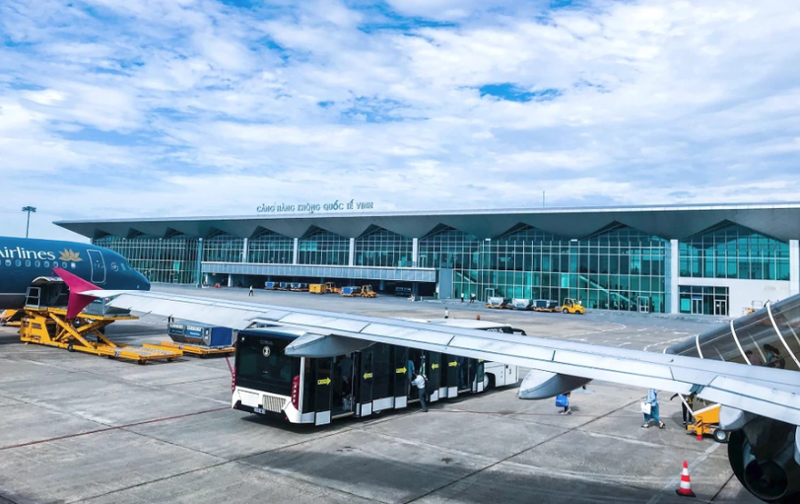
x=315, y=207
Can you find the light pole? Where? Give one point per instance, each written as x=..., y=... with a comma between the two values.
x=28, y=209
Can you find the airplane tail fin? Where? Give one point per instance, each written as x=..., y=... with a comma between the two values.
x=77, y=286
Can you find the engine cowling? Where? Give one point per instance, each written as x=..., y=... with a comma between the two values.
x=544, y=384
x=764, y=456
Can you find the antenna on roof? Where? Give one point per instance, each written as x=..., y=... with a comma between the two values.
x=542, y=199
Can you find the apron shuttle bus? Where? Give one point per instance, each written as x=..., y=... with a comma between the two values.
x=377, y=378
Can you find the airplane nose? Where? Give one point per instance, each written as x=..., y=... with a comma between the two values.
x=145, y=283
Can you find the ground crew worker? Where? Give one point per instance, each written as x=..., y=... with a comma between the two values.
x=419, y=382
x=446, y=313
x=687, y=415
x=251, y=291
x=652, y=400
x=462, y=297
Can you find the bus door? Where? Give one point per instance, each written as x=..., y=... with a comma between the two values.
x=365, y=381
x=323, y=394
x=400, y=385
x=477, y=384
x=469, y=374
x=450, y=386
x=383, y=377
x=466, y=373
x=343, y=386
x=433, y=367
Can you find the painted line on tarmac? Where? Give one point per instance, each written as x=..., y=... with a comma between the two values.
x=673, y=483
x=97, y=431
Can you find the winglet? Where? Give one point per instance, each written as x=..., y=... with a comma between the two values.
x=77, y=286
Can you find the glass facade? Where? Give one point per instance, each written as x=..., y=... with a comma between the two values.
x=164, y=260
x=324, y=247
x=618, y=269
x=734, y=251
x=223, y=248
x=448, y=248
x=383, y=248
x=270, y=248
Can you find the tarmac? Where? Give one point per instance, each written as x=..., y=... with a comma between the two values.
x=82, y=428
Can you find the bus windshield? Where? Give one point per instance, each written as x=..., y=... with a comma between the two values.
x=262, y=365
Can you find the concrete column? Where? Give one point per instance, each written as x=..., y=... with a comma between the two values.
x=414, y=252
x=794, y=267
x=672, y=273
x=296, y=252
x=230, y=280
x=244, y=251
x=352, y=256
x=199, y=261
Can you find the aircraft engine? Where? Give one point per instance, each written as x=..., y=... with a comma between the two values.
x=543, y=384
x=764, y=455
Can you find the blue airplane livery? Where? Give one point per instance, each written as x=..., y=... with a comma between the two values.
x=23, y=261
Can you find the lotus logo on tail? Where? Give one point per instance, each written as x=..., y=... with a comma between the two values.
x=69, y=255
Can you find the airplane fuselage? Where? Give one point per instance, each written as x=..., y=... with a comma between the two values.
x=24, y=260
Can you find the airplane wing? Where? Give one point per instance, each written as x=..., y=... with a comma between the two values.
x=561, y=365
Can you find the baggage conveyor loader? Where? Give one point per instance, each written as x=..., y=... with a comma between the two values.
x=47, y=322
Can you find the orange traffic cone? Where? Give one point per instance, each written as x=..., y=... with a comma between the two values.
x=685, y=489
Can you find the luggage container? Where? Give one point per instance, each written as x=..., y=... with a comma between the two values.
x=202, y=335
x=522, y=304
x=497, y=302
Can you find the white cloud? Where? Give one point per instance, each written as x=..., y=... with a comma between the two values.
x=145, y=107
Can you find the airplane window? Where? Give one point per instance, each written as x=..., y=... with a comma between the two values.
x=18, y=262
x=47, y=264
x=28, y=263
x=72, y=265
x=37, y=263
x=64, y=264
x=8, y=262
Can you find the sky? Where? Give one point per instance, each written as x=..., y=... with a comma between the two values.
x=148, y=108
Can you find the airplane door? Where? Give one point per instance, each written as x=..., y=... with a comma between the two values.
x=365, y=380
x=322, y=390
x=98, y=266
x=400, y=368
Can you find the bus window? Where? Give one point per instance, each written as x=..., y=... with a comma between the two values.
x=263, y=369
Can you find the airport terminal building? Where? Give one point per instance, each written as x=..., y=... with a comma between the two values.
x=700, y=259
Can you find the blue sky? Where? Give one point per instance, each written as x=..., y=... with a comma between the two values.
x=197, y=107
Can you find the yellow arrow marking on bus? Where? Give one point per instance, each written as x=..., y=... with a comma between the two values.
x=326, y=381
x=434, y=366
x=401, y=370
x=367, y=376
x=453, y=364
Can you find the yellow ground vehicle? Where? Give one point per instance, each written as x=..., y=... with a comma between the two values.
x=571, y=306
x=11, y=318
x=326, y=288
x=706, y=422
x=51, y=327
x=363, y=291
x=544, y=305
